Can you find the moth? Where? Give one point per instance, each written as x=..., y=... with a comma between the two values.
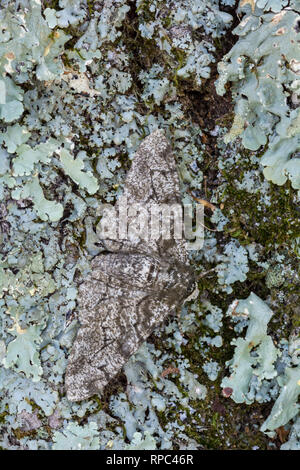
x=133, y=286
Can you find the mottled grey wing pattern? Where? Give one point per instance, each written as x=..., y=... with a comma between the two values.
x=131, y=290
x=116, y=318
x=152, y=179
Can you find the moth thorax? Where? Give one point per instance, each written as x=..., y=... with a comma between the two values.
x=137, y=270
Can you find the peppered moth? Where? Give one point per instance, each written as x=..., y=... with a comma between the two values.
x=137, y=283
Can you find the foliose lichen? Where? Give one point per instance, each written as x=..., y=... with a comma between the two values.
x=82, y=83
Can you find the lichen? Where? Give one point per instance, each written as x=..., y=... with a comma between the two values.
x=82, y=83
x=264, y=69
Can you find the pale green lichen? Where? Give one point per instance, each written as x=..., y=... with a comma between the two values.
x=255, y=354
x=27, y=157
x=285, y=407
x=45, y=209
x=138, y=443
x=11, y=97
x=264, y=69
x=75, y=437
x=22, y=353
x=73, y=168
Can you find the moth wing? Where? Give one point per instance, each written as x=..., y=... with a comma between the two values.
x=114, y=324
x=151, y=180
x=153, y=174
x=117, y=317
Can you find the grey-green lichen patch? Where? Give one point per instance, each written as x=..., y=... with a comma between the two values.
x=286, y=406
x=294, y=438
x=140, y=443
x=275, y=276
x=264, y=69
x=11, y=97
x=73, y=168
x=28, y=45
x=45, y=209
x=90, y=80
x=22, y=353
x=255, y=354
x=77, y=437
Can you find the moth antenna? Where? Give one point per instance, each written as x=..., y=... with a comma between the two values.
x=205, y=272
x=205, y=204
x=207, y=228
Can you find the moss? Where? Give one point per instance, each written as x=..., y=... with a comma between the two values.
x=217, y=423
x=50, y=4
x=20, y=433
x=225, y=424
x=275, y=227
x=34, y=406
x=91, y=6
x=3, y=416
